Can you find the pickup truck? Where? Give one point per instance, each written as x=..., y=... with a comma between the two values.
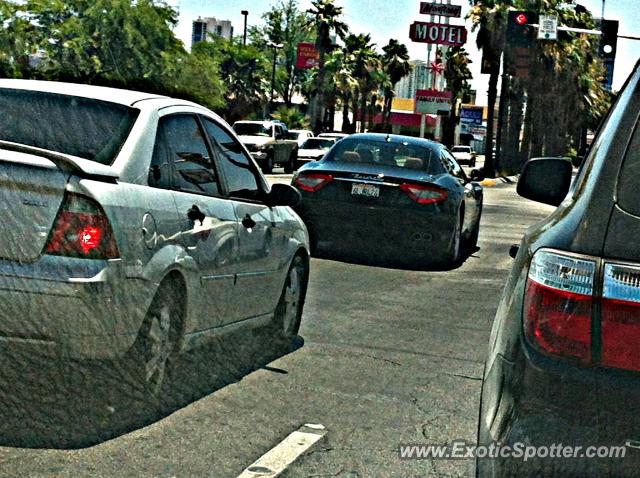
x=267, y=143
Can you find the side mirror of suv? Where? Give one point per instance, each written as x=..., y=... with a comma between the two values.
x=546, y=180
x=282, y=195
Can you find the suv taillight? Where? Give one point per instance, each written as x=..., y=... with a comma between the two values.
x=558, y=304
x=621, y=316
x=81, y=229
x=312, y=182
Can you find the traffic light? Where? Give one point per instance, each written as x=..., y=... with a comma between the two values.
x=520, y=32
x=608, y=46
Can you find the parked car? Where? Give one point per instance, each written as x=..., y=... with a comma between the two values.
x=564, y=353
x=299, y=135
x=333, y=134
x=464, y=155
x=268, y=144
x=395, y=196
x=137, y=226
x=314, y=149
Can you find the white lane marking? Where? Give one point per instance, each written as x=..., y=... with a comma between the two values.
x=276, y=460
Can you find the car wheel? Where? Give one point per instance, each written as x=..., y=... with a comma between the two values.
x=267, y=167
x=288, y=313
x=155, y=351
x=290, y=165
x=472, y=241
x=453, y=252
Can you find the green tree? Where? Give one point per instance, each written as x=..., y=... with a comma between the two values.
x=287, y=25
x=326, y=15
x=244, y=70
x=292, y=117
x=397, y=65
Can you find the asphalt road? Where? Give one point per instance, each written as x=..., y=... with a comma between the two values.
x=386, y=357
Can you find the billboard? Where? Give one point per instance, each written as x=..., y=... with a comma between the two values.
x=441, y=9
x=471, y=115
x=430, y=102
x=308, y=56
x=438, y=33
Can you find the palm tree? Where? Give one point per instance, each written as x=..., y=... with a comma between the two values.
x=344, y=83
x=397, y=66
x=489, y=17
x=326, y=20
x=457, y=74
x=365, y=64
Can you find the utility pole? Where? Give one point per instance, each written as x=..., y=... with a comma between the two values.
x=276, y=47
x=244, y=36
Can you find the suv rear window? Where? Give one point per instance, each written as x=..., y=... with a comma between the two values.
x=82, y=127
x=383, y=153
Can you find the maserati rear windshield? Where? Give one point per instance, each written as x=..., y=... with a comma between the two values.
x=82, y=127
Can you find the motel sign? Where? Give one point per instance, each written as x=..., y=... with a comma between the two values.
x=438, y=33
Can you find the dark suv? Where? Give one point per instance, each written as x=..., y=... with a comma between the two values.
x=564, y=357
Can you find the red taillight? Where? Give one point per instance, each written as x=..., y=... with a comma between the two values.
x=312, y=182
x=621, y=317
x=424, y=194
x=558, y=305
x=559, y=322
x=81, y=229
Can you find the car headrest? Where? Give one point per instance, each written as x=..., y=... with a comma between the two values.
x=351, y=157
x=414, y=163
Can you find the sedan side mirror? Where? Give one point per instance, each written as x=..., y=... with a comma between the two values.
x=546, y=180
x=282, y=195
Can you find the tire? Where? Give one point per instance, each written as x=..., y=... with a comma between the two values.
x=471, y=242
x=290, y=166
x=267, y=167
x=288, y=313
x=153, y=357
x=453, y=252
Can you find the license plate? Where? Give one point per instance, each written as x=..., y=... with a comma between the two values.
x=368, y=190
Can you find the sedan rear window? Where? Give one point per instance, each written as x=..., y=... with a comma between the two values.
x=82, y=127
x=395, y=154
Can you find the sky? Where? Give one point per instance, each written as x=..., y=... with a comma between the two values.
x=385, y=19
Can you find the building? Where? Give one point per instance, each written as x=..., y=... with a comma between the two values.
x=202, y=27
x=418, y=79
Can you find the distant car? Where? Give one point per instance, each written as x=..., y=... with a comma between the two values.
x=333, y=135
x=564, y=352
x=314, y=149
x=392, y=196
x=135, y=227
x=268, y=144
x=299, y=135
x=464, y=155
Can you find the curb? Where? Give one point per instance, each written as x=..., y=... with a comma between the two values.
x=489, y=182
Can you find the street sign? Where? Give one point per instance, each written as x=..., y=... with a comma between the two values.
x=432, y=101
x=471, y=115
x=308, y=56
x=548, y=27
x=441, y=9
x=438, y=33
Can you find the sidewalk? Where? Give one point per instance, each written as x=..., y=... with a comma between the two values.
x=489, y=182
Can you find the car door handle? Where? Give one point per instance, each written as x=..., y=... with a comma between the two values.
x=248, y=222
x=195, y=214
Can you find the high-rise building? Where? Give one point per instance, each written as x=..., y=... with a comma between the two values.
x=204, y=26
x=418, y=79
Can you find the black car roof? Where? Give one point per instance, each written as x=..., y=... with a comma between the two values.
x=396, y=138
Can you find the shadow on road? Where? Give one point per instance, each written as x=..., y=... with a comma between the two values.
x=44, y=404
x=383, y=260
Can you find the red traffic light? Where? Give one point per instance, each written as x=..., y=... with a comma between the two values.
x=521, y=19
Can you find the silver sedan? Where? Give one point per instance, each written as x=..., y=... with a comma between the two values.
x=137, y=226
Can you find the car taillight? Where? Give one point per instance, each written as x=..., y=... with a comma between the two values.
x=312, y=182
x=621, y=317
x=81, y=229
x=424, y=194
x=558, y=304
